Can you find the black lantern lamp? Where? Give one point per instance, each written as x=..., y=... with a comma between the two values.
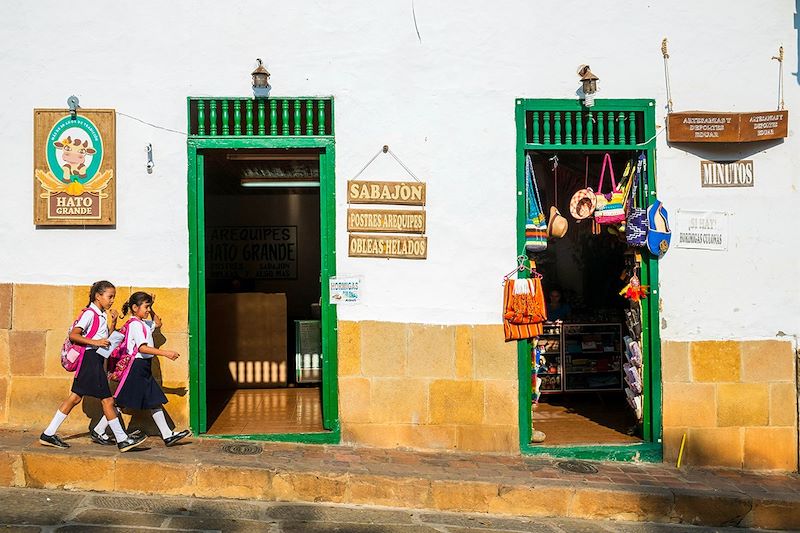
x=589, y=82
x=261, y=86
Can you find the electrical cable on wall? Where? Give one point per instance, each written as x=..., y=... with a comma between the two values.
x=150, y=124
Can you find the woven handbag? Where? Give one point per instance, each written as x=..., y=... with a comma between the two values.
x=535, y=222
x=610, y=209
x=636, y=222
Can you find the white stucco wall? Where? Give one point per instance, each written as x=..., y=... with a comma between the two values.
x=445, y=105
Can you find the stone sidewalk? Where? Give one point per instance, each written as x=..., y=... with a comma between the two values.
x=45, y=511
x=474, y=483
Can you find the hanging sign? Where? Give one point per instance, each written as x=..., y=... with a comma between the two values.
x=715, y=174
x=345, y=290
x=704, y=230
x=705, y=126
x=395, y=246
x=386, y=220
x=74, y=161
x=386, y=192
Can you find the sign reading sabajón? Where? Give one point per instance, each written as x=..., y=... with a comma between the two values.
x=74, y=164
x=384, y=222
x=705, y=126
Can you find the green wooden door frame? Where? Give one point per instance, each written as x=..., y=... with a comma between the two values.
x=561, y=137
x=197, y=295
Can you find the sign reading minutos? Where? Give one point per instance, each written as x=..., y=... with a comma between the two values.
x=726, y=173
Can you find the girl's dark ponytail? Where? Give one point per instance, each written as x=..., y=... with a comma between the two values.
x=98, y=287
x=137, y=299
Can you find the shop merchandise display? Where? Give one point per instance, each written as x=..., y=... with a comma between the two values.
x=610, y=209
x=523, y=303
x=658, y=232
x=584, y=201
x=636, y=221
x=557, y=225
x=535, y=223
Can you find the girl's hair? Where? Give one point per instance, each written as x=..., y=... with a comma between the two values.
x=137, y=299
x=98, y=287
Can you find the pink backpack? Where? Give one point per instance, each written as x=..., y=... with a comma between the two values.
x=71, y=353
x=120, y=361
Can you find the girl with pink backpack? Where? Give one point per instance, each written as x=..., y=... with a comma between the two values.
x=131, y=365
x=87, y=335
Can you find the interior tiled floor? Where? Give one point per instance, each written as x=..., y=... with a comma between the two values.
x=583, y=419
x=261, y=411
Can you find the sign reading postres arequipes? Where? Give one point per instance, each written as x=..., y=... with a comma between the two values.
x=74, y=163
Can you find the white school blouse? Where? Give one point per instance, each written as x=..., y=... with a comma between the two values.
x=86, y=319
x=139, y=335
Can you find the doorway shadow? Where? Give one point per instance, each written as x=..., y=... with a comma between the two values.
x=586, y=418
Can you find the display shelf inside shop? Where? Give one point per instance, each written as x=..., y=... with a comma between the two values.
x=581, y=357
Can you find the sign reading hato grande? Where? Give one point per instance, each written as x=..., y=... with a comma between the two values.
x=74, y=167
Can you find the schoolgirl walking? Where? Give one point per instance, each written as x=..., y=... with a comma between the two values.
x=90, y=332
x=137, y=388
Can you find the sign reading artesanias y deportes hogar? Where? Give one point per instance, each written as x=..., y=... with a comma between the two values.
x=74, y=167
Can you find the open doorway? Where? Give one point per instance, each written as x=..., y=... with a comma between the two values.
x=262, y=276
x=586, y=389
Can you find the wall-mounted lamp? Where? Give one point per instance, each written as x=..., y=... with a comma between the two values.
x=589, y=83
x=261, y=86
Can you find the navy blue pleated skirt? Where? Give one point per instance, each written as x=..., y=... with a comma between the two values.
x=91, y=379
x=141, y=390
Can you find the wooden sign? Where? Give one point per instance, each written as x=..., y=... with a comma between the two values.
x=705, y=126
x=74, y=161
x=764, y=126
x=715, y=174
x=396, y=246
x=386, y=192
x=386, y=220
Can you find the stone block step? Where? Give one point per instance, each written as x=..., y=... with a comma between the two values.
x=475, y=483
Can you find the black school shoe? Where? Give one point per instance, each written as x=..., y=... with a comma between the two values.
x=131, y=442
x=98, y=439
x=52, y=440
x=171, y=441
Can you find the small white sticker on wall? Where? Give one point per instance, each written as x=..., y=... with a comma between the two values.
x=345, y=290
x=703, y=230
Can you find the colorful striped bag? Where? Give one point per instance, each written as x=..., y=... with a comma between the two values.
x=535, y=221
x=610, y=208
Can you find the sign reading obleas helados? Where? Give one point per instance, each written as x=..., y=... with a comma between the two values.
x=74, y=163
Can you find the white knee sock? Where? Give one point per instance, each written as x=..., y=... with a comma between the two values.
x=161, y=422
x=116, y=427
x=101, y=427
x=55, y=423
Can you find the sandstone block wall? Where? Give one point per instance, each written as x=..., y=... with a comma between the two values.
x=428, y=387
x=34, y=320
x=736, y=401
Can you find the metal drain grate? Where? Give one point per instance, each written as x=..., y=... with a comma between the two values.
x=577, y=467
x=242, y=449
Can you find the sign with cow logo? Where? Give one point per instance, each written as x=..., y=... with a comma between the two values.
x=74, y=167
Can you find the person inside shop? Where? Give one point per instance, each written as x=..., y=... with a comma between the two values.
x=557, y=308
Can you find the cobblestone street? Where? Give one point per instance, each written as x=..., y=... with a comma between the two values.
x=37, y=510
